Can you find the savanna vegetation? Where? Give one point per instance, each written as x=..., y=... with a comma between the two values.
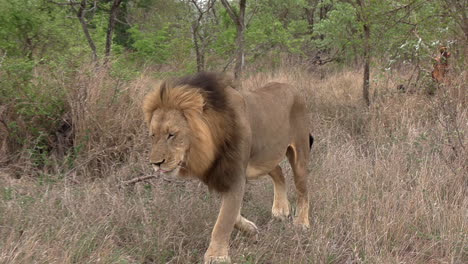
x=388, y=171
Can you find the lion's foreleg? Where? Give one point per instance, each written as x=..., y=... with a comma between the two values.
x=230, y=210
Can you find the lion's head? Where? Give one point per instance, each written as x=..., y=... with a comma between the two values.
x=170, y=136
x=192, y=127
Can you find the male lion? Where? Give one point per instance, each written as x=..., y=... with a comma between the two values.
x=201, y=127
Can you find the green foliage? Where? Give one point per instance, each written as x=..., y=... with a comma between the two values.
x=151, y=46
x=39, y=100
x=278, y=26
x=38, y=105
x=121, y=35
x=340, y=31
x=160, y=30
x=224, y=44
x=33, y=29
x=400, y=30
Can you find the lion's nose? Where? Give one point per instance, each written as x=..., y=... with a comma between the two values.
x=158, y=163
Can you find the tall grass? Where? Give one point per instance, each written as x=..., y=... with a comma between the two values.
x=388, y=184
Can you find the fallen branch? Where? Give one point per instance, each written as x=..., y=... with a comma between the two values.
x=138, y=179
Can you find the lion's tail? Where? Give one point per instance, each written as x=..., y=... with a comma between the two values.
x=311, y=141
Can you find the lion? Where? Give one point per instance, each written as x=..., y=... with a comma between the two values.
x=201, y=127
x=441, y=66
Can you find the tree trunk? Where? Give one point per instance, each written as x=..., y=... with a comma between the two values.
x=310, y=13
x=366, y=83
x=110, y=28
x=199, y=40
x=84, y=25
x=240, y=43
x=198, y=51
x=323, y=11
x=240, y=27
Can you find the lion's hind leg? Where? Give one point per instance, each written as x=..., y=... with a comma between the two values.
x=297, y=157
x=280, y=209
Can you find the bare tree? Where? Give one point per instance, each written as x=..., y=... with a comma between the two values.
x=367, y=57
x=199, y=39
x=110, y=29
x=238, y=19
x=81, y=15
x=84, y=25
x=364, y=19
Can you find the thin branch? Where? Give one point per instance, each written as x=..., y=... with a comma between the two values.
x=200, y=52
x=123, y=22
x=64, y=4
x=228, y=63
x=138, y=179
x=254, y=11
x=386, y=13
x=144, y=178
x=81, y=16
x=93, y=9
x=195, y=3
x=110, y=28
x=213, y=10
x=230, y=11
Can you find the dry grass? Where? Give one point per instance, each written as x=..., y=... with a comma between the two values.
x=388, y=184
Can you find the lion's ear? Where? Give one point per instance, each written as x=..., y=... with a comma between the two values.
x=153, y=100
x=163, y=90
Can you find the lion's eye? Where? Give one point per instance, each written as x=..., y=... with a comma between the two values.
x=152, y=135
x=170, y=136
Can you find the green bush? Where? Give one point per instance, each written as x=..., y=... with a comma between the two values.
x=37, y=105
x=151, y=46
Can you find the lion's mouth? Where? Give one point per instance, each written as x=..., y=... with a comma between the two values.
x=161, y=170
x=166, y=171
x=169, y=171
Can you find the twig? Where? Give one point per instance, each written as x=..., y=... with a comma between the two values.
x=69, y=3
x=138, y=179
x=229, y=63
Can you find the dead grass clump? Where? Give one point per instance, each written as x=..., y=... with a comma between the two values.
x=106, y=119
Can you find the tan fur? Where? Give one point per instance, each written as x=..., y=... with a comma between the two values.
x=226, y=137
x=441, y=66
x=204, y=137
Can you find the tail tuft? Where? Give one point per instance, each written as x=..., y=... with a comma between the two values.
x=311, y=141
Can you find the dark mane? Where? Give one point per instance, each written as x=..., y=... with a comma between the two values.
x=213, y=86
x=225, y=169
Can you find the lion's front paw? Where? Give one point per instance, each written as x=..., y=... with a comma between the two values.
x=217, y=259
x=250, y=227
x=246, y=226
